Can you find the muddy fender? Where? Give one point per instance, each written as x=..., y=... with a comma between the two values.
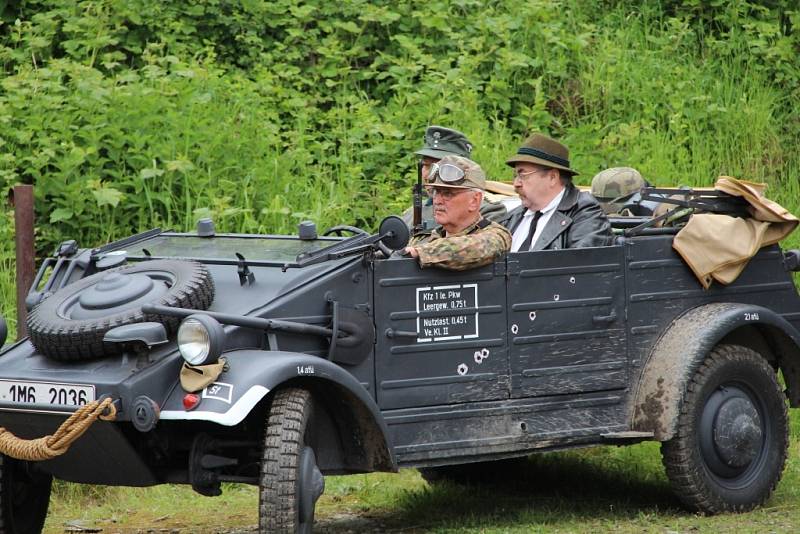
x=684, y=345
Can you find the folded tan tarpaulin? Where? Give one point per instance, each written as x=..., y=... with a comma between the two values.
x=718, y=247
x=196, y=377
x=500, y=188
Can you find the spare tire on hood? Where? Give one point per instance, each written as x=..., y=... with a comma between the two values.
x=71, y=323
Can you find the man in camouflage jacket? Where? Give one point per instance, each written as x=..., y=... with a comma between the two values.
x=464, y=239
x=438, y=143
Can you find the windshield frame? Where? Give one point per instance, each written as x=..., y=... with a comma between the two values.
x=139, y=243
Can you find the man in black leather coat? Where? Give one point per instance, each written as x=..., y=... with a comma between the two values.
x=554, y=214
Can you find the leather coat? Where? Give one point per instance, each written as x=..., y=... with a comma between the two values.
x=578, y=221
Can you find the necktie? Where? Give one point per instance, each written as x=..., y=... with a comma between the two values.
x=526, y=245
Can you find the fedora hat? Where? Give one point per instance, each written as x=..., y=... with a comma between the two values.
x=542, y=150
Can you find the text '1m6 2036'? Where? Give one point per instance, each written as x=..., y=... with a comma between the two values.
x=45, y=394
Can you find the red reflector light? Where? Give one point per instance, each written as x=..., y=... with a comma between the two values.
x=190, y=401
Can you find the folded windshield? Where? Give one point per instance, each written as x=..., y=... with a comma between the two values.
x=268, y=249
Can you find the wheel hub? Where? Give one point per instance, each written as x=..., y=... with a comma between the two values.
x=731, y=433
x=737, y=432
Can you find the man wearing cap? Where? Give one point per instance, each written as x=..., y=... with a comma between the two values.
x=438, y=143
x=464, y=239
x=554, y=214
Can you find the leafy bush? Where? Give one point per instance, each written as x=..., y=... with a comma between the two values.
x=138, y=114
x=8, y=297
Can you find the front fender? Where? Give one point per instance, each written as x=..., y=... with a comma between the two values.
x=253, y=373
x=682, y=348
x=250, y=376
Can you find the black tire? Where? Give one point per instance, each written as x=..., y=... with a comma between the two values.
x=56, y=332
x=729, y=448
x=24, y=497
x=290, y=481
x=477, y=473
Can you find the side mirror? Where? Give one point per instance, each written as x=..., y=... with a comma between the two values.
x=394, y=232
x=3, y=331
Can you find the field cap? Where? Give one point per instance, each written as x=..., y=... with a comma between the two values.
x=616, y=183
x=473, y=176
x=440, y=142
x=542, y=150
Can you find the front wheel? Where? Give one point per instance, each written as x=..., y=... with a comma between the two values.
x=290, y=481
x=24, y=497
x=729, y=448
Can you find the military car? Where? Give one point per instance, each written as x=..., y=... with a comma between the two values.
x=322, y=355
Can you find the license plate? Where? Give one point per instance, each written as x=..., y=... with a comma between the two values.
x=45, y=393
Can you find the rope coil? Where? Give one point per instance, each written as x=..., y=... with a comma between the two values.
x=48, y=447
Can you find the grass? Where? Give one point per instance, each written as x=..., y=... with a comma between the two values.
x=604, y=489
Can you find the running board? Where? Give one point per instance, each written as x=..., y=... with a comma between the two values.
x=628, y=435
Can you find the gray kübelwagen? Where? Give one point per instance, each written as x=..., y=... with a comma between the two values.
x=337, y=360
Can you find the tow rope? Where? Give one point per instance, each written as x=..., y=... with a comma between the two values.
x=48, y=447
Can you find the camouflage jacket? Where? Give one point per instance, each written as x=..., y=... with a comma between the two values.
x=479, y=244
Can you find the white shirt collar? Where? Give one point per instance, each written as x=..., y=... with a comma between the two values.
x=551, y=206
x=522, y=230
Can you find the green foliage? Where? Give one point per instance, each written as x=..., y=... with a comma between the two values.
x=129, y=115
x=8, y=297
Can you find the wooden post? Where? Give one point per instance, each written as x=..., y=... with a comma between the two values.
x=22, y=200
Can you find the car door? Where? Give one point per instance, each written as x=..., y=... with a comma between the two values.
x=566, y=314
x=441, y=335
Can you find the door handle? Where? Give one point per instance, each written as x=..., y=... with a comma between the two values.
x=605, y=319
x=391, y=333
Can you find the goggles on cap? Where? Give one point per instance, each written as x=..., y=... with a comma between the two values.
x=449, y=173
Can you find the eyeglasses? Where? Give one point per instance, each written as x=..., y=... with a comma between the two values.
x=444, y=193
x=449, y=173
x=523, y=175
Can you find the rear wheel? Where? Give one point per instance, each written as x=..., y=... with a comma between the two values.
x=729, y=449
x=290, y=482
x=24, y=497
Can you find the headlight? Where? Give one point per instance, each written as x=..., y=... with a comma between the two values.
x=200, y=339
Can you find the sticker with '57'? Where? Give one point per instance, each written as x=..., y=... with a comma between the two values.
x=45, y=393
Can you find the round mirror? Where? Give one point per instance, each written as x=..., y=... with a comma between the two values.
x=394, y=232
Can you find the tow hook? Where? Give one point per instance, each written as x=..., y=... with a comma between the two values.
x=145, y=413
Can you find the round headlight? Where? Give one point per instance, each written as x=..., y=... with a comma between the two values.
x=200, y=339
